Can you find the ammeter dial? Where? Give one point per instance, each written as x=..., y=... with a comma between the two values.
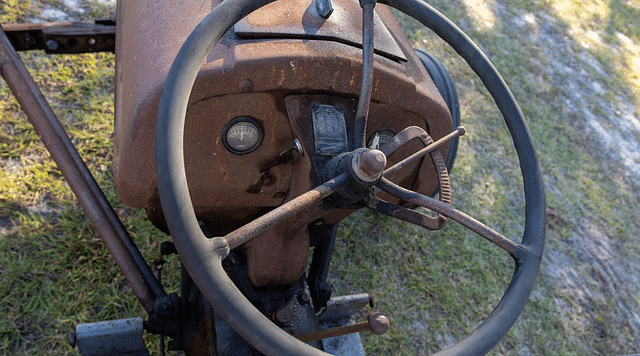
x=242, y=135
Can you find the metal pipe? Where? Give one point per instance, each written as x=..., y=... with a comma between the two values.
x=95, y=204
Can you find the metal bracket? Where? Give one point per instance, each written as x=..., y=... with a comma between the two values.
x=63, y=37
x=110, y=338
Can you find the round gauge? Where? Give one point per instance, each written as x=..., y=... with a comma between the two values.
x=381, y=136
x=242, y=135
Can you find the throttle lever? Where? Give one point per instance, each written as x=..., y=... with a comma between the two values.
x=378, y=324
x=459, y=131
x=431, y=148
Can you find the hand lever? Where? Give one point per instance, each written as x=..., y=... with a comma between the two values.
x=378, y=324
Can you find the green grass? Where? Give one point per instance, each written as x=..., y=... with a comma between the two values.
x=435, y=286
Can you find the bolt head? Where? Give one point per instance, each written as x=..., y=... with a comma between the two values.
x=245, y=85
x=369, y=165
x=303, y=298
x=282, y=316
x=52, y=45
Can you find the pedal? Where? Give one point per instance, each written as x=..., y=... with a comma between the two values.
x=114, y=338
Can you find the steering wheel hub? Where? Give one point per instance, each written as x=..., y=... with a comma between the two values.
x=368, y=165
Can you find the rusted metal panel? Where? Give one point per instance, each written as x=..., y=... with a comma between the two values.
x=148, y=36
x=300, y=19
x=228, y=189
x=292, y=65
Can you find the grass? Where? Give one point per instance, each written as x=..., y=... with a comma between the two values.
x=435, y=287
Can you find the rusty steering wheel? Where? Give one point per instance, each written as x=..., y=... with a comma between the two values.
x=203, y=257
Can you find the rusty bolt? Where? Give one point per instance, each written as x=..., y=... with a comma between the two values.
x=303, y=298
x=369, y=165
x=52, y=45
x=245, y=86
x=282, y=316
x=378, y=323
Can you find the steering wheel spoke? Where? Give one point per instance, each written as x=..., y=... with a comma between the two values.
x=285, y=211
x=403, y=138
x=446, y=210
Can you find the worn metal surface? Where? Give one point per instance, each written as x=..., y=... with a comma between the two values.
x=266, y=249
x=301, y=19
x=269, y=80
x=345, y=306
x=288, y=210
x=111, y=338
x=63, y=37
x=219, y=180
x=369, y=165
x=366, y=86
x=76, y=173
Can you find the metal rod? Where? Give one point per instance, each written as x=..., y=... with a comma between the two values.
x=366, y=88
x=95, y=204
x=287, y=210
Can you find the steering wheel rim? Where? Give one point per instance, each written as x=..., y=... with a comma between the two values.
x=202, y=257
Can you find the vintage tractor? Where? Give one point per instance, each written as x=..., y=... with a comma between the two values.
x=248, y=129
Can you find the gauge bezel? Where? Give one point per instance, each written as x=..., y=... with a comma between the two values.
x=235, y=121
x=390, y=129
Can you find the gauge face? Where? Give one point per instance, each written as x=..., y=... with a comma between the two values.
x=242, y=135
x=381, y=136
